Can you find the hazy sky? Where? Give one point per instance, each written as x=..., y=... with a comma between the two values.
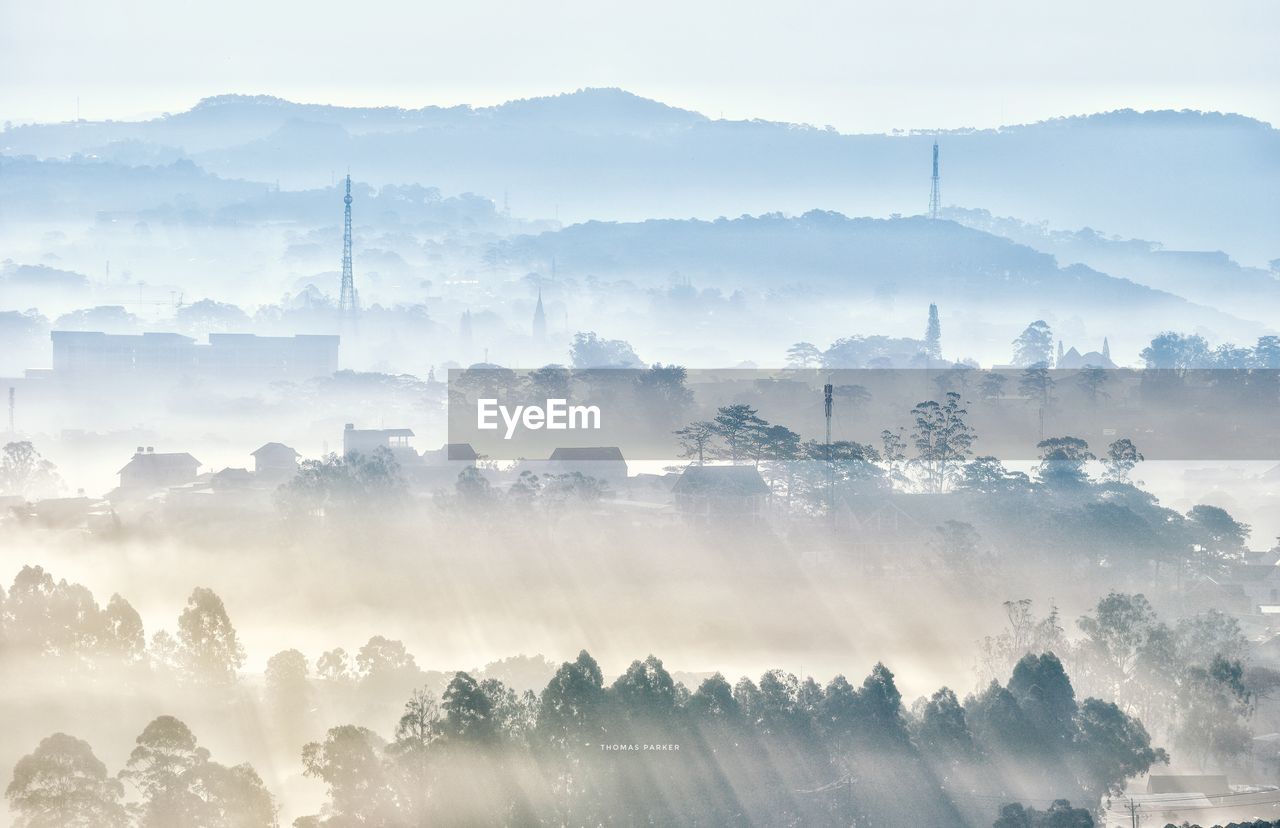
x=860, y=66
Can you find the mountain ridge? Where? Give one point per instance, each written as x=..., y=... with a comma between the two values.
x=223, y=101
x=1196, y=181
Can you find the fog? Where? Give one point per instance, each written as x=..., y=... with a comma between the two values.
x=889, y=516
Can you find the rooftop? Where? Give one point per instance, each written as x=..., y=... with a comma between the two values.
x=588, y=453
x=164, y=460
x=725, y=480
x=274, y=448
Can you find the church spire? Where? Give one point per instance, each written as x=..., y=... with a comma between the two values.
x=539, y=320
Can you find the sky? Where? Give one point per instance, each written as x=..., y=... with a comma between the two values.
x=858, y=66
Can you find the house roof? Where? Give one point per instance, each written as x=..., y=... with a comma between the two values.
x=175, y=460
x=459, y=451
x=1251, y=573
x=723, y=480
x=1090, y=359
x=385, y=432
x=1207, y=784
x=274, y=448
x=1263, y=557
x=1171, y=801
x=588, y=453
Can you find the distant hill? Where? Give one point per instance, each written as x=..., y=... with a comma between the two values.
x=226, y=121
x=871, y=260
x=84, y=189
x=1195, y=181
x=1209, y=278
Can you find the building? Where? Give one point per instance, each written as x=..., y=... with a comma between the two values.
x=93, y=354
x=367, y=441
x=79, y=511
x=439, y=469
x=299, y=357
x=539, y=321
x=604, y=463
x=149, y=471
x=231, y=480
x=460, y=454
x=275, y=461
x=1074, y=360
x=1199, y=799
x=721, y=494
x=1177, y=783
x=1259, y=584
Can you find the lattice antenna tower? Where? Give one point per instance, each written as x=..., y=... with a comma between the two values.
x=349, y=301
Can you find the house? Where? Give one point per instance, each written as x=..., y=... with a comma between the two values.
x=230, y=479
x=367, y=441
x=1200, y=799
x=713, y=494
x=275, y=462
x=1206, y=593
x=149, y=471
x=604, y=463
x=68, y=512
x=1260, y=584
x=1176, y=783
x=454, y=454
x=439, y=469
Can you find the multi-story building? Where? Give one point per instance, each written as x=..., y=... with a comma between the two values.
x=226, y=356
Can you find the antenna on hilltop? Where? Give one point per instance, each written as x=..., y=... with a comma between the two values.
x=348, y=301
x=827, y=391
x=935, y=195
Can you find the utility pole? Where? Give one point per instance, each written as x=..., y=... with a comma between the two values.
x=1134, y=819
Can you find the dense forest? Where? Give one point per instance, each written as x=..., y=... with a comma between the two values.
x=394, y=744
x=642, y=749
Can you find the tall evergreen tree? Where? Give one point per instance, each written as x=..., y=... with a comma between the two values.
x=933, y=334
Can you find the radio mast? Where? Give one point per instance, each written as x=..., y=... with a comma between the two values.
x=935, y=196
x=349, y=301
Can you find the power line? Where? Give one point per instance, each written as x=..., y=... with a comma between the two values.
x=1133, y=813
x=1198, y=797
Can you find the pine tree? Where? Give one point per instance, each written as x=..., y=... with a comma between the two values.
x=933, y=334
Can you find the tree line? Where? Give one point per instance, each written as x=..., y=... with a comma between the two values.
x=640, y=750
x=1188, y=680
x=471, y=748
